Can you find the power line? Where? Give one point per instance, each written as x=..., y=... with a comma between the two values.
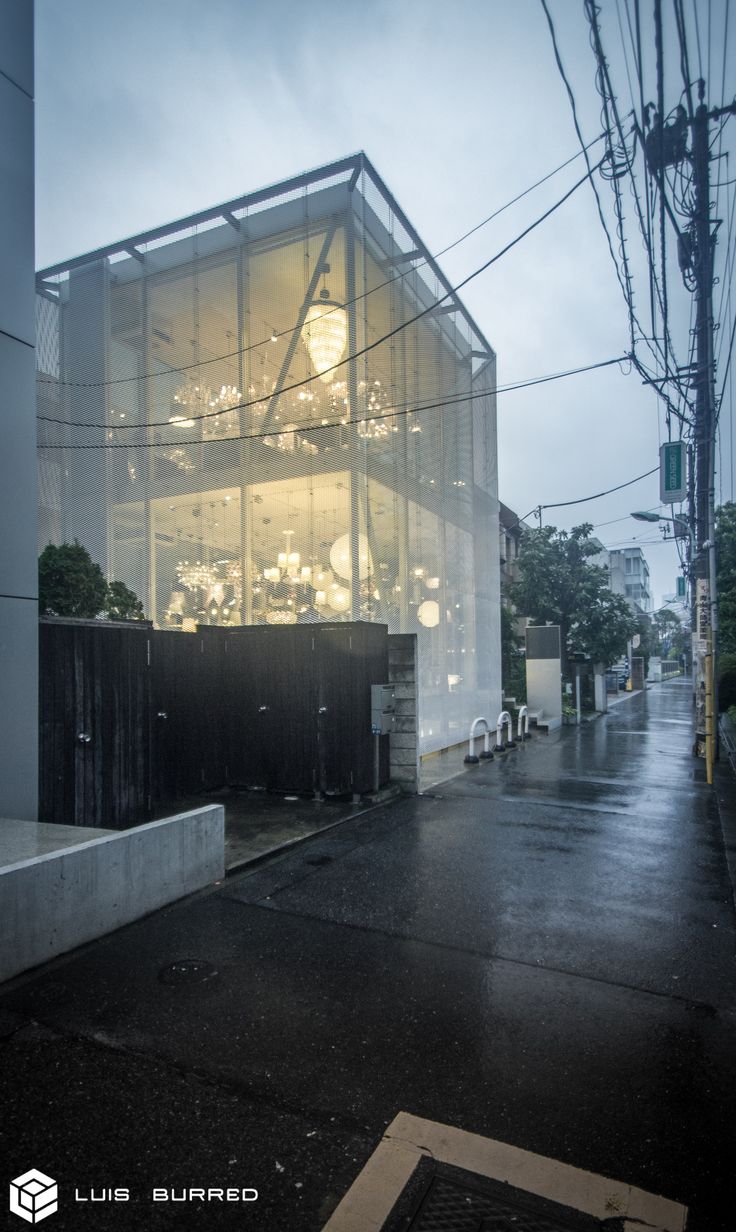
x=728, y=363
x=578, y=130
x=378, y=341
x=384, y=413
x=605, y=89
x=584, y=499
x=625, y=518
x=254, y=346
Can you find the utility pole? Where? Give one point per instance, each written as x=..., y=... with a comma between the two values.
x=705, y=426
x=665, y=146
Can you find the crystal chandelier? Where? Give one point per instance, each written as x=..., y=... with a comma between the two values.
x=325, y=334
x=198, y=402
x=195, y=575
x=227, y=423
x=373, y=429
x=281, y=616
x=191, y=399
x=370, y=428
x=179, y=458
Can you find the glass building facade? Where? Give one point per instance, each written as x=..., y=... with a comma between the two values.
x=277, y=412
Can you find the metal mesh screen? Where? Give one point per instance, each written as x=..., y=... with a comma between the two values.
x=278, y=415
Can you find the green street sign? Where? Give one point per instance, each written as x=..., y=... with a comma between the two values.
x=672, y=472
x=681, y=588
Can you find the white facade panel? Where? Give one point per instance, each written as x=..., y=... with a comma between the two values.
x=275, y=420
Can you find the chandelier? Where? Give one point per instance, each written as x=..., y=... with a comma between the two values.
x=325, y=334
x=197, y=402
x=227, y=423
x=195, y=575
x=234, y=577
x=190, y=398
x=373, y=429
x=179, y=458
x=281, y=616
x=288, y=566
x=370, y=428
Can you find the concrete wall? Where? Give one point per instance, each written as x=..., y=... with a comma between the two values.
x=18, y=485
x=54, y=902
x=402, y=673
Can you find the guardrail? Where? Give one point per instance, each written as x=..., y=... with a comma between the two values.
x=523, y=732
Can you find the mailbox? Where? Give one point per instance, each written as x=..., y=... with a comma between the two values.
x=383, y=709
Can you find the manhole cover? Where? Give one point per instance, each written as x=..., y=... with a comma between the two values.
x=187, y=971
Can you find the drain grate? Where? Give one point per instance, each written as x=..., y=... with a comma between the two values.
x=442, y=1198
x=187, y=971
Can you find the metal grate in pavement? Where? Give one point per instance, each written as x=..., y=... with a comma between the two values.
x=443, y=1198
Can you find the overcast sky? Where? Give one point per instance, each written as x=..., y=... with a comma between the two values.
x=150, y=110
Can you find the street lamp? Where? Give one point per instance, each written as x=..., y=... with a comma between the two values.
x=680, y=524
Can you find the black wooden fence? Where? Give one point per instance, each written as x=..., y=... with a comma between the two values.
x=133, y=717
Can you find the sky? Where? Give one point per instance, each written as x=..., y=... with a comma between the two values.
x=152, y=110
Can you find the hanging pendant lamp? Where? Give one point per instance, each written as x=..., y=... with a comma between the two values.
x=325, y=334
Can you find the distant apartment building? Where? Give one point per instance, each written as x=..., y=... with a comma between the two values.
x=510, y=529
x=628, y=574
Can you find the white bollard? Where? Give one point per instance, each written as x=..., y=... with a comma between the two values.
x=504, y=717
x=487, y=755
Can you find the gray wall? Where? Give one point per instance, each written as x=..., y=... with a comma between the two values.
x=53, y=902
x=18, y=485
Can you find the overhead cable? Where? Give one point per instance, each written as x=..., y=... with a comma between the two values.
x=303, y=430
x=378, y=341
x=254, y=346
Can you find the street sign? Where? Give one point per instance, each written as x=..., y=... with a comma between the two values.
x=681, y=592
x=672, y=472
x=702, y=615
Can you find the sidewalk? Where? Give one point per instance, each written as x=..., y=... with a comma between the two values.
x=539, y=952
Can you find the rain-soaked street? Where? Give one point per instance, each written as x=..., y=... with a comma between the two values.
x=540, y=951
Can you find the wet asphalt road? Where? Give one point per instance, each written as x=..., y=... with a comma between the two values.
x=542, y=951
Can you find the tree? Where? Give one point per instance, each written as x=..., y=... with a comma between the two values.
x=668, y=634
x=726, y=575
x=71, y=584
x=123, y=603
x=513, y=675
x=559, y=584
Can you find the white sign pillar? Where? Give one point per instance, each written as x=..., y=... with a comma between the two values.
x=544, y=673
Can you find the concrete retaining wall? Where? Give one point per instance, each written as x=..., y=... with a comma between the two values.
x=54, y=902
